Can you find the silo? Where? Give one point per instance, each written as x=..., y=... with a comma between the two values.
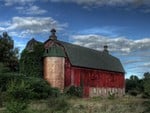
x=54, y=61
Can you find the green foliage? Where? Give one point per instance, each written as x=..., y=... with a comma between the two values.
x=58, y=104
x=19, y=90
x=16, y=107
x=146, y=84
x=41, y=89
x=5, y=78
x=75, y=91
x=134, y=85
x=8, y=54
x=146, y=75
x=31, y=63
x=18, y=93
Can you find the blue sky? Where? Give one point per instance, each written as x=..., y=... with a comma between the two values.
x=123, y=25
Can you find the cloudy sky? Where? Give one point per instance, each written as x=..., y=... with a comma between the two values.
x=124, y=25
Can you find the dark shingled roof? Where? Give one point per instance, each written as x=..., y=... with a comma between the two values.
x=89, y=58
x=30, y=45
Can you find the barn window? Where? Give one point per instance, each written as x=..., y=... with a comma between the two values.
x=46, y=50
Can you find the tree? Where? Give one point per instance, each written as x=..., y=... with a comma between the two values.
x=134, y=85
x=146, y=84
x=8, y=54
x=146, y=75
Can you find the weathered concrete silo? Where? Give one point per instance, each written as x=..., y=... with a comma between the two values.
x=54, y=61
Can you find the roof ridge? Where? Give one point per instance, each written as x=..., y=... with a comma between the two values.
x=82, y=46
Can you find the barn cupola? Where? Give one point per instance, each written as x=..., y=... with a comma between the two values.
x=52, y=47
x=53, y=36
x=106, y=49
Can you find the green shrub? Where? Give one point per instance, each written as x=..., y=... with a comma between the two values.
x=41, y=89
x=74, y=91
x=55, y=92
x=6, y=78
x=16, y=107
x=18, y=93
x=19, y=90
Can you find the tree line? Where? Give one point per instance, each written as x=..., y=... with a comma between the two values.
x=138, y=86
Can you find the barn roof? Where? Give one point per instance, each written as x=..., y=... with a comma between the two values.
x=89, y=58
x=30, y=45
x=85, y=57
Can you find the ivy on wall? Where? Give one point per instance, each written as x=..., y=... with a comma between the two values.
x=31, y=62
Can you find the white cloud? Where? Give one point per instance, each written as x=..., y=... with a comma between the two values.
x=105, y=30
x=32, y=25
x=31, y=10
x=147, y=64
x=107, y=2
x=2, y=29
x=21, y=2
x=118, y=44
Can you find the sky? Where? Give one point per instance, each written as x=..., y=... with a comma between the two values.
x=123, y=25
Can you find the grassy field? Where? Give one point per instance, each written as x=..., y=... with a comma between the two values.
x=96, y=105
x=92, y=105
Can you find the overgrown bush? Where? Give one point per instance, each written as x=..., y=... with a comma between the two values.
x=6, y=78
x=41, y=89
x=18, y=93
x=16, y=107
x=74, y=91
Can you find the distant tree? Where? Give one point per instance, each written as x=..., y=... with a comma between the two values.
x=8, y=54
x=146, y=75
x=134, y=85
x=146, y=83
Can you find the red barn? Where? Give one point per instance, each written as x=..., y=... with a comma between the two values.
x=99, y=73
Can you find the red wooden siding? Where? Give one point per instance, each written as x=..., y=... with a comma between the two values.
x=67, y=73
x=87, y=78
